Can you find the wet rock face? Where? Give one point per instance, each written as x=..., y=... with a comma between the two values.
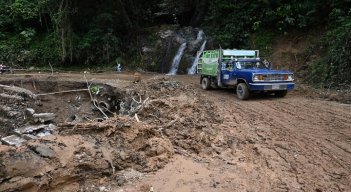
x=160, y=47
x=13, y=101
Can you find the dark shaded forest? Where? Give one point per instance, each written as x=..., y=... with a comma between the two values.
x=77, y=33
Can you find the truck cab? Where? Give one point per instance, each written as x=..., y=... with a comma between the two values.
x=243, y=70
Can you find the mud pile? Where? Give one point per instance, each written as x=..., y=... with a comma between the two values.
x=30, y=108
x=157, y=118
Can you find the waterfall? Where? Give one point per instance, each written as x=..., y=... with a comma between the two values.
x=200, y=36
x=192, y=69
x=176, y=60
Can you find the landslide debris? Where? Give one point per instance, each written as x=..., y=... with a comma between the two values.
x=157, y=118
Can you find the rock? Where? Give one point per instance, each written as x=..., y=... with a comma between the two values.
x=44, y=117
x=44, y=151
x=103, y=189
x=31, y=129
x=29, y=137
x=10, y=98
x=130, y=175
x=164, y=46
x=13, y=140
x=23, y=93
x=121, y=181
x=35, y=131
x=44, y=133
x=123, y=155
x=166, y=34
x=29, y=112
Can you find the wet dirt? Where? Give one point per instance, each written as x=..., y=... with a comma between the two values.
x=187, y=139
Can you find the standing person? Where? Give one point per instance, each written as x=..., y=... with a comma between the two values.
x=267, y=63
x=118, y=67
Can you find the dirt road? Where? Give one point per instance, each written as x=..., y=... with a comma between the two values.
x=296, y=143
x=289, y=144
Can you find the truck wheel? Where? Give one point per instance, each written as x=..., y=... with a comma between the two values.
x=205, y=83
x=280, y=93
x=242, y=91
x=214, y=84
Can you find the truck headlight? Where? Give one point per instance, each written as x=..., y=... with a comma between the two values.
x=257, y=78
x=290, y=77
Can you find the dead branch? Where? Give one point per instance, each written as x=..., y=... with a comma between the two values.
x=139, y=107
x=137, y=118
x=93, y=100
x=140, y=101
x=160, y=128
x=52, y=70
x=135, y=100
x=171, y=122
x=154, y=116
x=112, y=113
x=69, y=126
x=33, y=83
x=59, y=92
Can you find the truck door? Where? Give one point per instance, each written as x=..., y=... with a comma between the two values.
x=227, y=73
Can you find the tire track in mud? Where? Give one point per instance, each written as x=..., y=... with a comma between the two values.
x=321, y=138
x=328, y=125
x=305, y=140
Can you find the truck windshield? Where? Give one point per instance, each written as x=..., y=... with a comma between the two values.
x=250, y=65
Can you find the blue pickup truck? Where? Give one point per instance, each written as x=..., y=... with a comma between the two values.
x=243, y=70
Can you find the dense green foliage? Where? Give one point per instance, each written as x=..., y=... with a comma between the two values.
x=94, y=33
x=232, y=22
x=334, y=67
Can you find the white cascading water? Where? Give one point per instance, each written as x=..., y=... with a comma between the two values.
x=176, y=60
x=200, y=36
x=192, y=69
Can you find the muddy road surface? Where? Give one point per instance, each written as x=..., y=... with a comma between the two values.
x=210, y=141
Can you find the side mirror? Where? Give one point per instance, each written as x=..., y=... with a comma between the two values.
x=269, y=65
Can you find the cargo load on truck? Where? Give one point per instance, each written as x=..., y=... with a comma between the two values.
x=243, y=70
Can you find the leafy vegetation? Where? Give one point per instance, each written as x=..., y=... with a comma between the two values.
x=94, y=33
x=334, y=68
x=232, y=23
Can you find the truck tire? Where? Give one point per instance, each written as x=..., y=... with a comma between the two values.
x=281, y=93
x=214, y=84
x=242, y=91
x=205, y=83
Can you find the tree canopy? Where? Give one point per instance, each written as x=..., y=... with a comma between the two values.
x=94, y=32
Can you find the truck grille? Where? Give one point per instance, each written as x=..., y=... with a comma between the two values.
x=273, y=77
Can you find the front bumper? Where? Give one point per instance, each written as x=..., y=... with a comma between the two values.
x=271, y=86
